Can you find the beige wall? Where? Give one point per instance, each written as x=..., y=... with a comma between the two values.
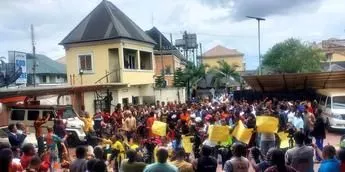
x=338, y=57
x=212, y=61
x=170, y=94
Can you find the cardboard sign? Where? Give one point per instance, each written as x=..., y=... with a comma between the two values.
x=159, y=128
x=267, y=124
x=241, y=133
x=187, y=144
x=284, y=140
x=218, y=133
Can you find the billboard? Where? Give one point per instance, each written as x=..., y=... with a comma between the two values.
x=19, y=59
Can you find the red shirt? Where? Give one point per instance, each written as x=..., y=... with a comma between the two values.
x=25, y=161
x=15, y=167
x=342, y=167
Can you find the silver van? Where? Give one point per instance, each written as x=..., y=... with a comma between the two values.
x=27, y=114
x=332, y=103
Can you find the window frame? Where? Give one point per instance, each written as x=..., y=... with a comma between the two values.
x=92, y=62
x=329, y=99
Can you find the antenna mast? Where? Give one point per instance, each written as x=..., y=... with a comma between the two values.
x=34, y=55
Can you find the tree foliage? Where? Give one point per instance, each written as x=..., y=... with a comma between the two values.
x=224, y=72
x=193, y=74
x=292, y=56
x=178, y=78
x=160, y=81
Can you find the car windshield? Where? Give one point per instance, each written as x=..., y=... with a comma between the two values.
x=66, y=112
x=339, y=102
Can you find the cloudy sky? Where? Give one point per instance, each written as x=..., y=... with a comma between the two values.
x=215, y=21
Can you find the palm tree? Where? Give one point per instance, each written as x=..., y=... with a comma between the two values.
x=224, y=71
x=192, y=74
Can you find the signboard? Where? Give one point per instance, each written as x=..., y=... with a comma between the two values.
x=19, y=59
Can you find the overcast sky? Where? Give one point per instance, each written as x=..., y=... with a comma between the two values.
x=215, y=21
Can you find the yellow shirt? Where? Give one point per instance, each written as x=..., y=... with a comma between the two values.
x=87, y=124
x=118, y=146
x=134, y=146
x=106, y=142
x=183, y=166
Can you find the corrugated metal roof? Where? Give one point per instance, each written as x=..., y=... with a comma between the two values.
x=45, y=65
x=221, y=51
x=106, y=22
x=298, y=81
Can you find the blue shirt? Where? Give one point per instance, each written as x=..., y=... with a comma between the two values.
x=160, y=167
x=329, y=165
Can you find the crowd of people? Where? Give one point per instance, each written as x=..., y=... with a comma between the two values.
x=124, y=140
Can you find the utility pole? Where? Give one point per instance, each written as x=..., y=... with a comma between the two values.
x=33, y=54
x=161, y=50
x=200, y=53
x=260, y=61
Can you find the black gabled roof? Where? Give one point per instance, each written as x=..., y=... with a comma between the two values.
x=154, y=33
x=167, y=46
x=106, y=22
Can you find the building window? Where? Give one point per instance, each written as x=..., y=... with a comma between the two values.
x=44, y=79
x=130, y=59
x=85, y=62
x=145, y=60
x=58, y=77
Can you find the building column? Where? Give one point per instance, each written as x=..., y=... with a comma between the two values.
x=138, y=58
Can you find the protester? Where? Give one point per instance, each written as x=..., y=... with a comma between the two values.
x=180, y=162
x=34, y=165
x=319, y=131
x=205, y=163
x=79, y=164
x=130, y=125
x=28, y=152
x=38, y=132
x=238, y=163
x=301, y=156
x=131, y=164
x=262, y=165
x=16, y=139
x=278, y=164
x=329, y=162
x=161, y=165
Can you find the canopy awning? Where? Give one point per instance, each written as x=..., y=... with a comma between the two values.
x=297, y=81
x=56, y=90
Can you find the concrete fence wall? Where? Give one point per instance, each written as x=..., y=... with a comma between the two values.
x=170, y=94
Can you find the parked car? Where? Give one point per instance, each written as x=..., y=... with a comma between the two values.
x=27, y=114
x=332, y=103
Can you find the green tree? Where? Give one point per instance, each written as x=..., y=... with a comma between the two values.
x=224, y=72
x=160, y=81
x=193, y=74
x=292, y=56
x=178, y=78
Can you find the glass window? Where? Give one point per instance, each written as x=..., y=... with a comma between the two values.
x=33, y=115
x=44, y=79
x=329, y=102
x=85, y=62
x=130, y=59
x=339, y=102
x=45, y=113
x=18, y=115
x=323, y=100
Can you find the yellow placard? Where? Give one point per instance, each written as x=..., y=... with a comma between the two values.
x=159, y=128
x=241, y=133
x=218, y=133
x=187, y=144
x=267, y=124
x=284, y=140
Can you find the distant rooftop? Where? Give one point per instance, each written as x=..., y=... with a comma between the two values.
x=221, y=51
x=106, y=22
x=45, y=65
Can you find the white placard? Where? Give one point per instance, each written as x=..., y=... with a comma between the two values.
x=20, y=61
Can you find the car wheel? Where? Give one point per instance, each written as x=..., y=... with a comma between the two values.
x=73, y=139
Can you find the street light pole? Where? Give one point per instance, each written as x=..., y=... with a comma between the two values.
x=259, y=41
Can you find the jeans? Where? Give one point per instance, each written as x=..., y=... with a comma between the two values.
x=265, y=145
x=319, y=144
x=40, y=145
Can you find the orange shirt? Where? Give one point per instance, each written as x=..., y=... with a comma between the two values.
x=184, y=117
